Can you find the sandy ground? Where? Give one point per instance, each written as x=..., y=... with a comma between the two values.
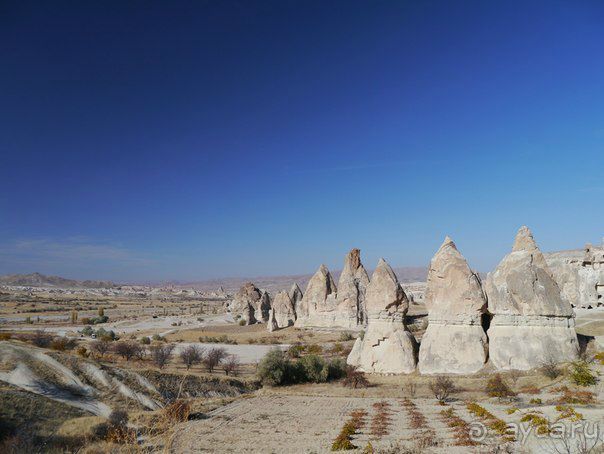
x=307, y=424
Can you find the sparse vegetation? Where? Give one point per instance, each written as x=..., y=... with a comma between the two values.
x=161, y=354
x=191, y=355
x=354, y=378
x=442, y=387
x=497, y=387
x=550, y=369
x=582, y=375
x=213, y=358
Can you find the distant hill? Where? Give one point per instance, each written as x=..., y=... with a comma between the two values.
x=41, y=280
x=276, y=283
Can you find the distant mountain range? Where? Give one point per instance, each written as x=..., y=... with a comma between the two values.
x=275, y=283
x=41, y=280
x=231, y=285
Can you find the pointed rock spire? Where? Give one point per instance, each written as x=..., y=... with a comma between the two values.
x=387, y=346
x=524, y=240
x=283, y=310
x=531, y=320
x=454, y=341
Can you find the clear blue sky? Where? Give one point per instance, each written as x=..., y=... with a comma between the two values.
x=189, y=140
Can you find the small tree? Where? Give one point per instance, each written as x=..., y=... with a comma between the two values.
x=231, y=365
x=161, y=354
x=100, y=346
x=191, y=355
x=214, y=357
x=442, y=388
x=126, y=349
x=274, y=368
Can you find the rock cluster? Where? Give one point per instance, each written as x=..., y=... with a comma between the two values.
x=245, y=303
x=325, y=305
x=455, y=341
x=531, y=322
x=387, y=346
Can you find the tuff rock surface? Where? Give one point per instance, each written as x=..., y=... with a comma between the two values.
x=531, y=322
x=387, y=346
x=283, y=311
x=454, y=341
x=295, y=294
x=325, y=305
x=245, y=302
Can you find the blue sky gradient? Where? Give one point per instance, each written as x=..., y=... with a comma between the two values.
x=151, y=140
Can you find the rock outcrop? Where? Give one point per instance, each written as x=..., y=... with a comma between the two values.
x=325, y=305
x=295, y=294
x=246, y=302
x=263, y=306
x=531, y=322
x=455, y=341
x=283, y=311
x=387, y=346
x=321, y=287
x=271, y=325
x=580, y=275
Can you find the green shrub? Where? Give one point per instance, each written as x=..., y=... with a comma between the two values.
x=241, y=322
x=274, y=369
x=582, y=375
x=295, y=351
x=87, y=331
x=315, y=368
x=336, y=369
x=145, y=340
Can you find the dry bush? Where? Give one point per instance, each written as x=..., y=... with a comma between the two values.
x=5, y=336
x=550, y=369
x=191, y=355
x=355, y=379
x=231, y=365
x=161, y=354
x=214, y=357
x=529, y=389
x=442, y=387
x=574, y=397
x=177, y=411
x=126, y=349
x=497, y=387
x=100, y=347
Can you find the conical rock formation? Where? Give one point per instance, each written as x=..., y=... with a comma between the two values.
x=325, y=305
x=320, y=289
x=262, y=307
x=295, y=294
x=283, y=310
x=387, y=346
x=455, y=341
x=531, y=322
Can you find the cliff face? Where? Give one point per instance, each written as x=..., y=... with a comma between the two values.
x=580, y=275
